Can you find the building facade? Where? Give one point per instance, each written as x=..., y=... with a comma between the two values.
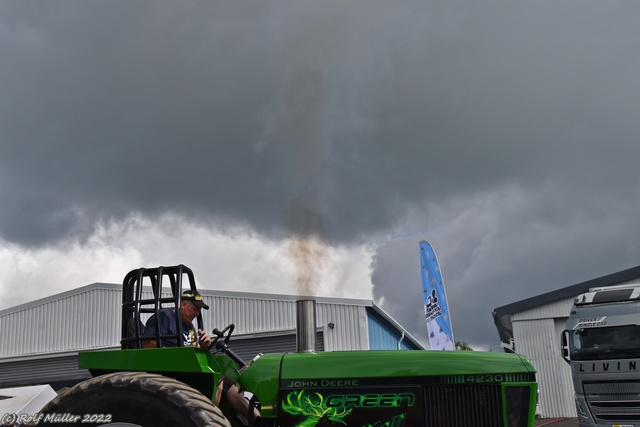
x=41, y=339
x=533, y=326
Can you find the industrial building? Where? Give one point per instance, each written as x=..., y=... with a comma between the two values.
x=533, y=326
x=41, y=339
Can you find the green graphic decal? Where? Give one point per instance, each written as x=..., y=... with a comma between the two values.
x=397, y=421
x=399, y=406
x=313, y=406
x=370, y=400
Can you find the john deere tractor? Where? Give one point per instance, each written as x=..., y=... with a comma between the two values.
x=136, y=386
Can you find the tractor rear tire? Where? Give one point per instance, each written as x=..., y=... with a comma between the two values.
x=135, y=398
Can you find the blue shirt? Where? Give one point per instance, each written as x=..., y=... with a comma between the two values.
x=167, y=320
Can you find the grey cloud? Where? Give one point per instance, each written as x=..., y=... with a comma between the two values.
x=335, y=119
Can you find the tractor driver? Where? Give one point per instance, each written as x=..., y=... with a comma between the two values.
x=190, y=307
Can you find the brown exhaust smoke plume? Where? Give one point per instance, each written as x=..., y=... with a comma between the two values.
x=304, y=138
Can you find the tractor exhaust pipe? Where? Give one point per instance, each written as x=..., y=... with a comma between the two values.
x=306, y=326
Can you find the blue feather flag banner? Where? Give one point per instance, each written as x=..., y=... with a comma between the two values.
x=436, y=309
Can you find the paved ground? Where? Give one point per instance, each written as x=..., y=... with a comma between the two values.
x=557, y=422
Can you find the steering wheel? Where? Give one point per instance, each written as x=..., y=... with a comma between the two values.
x=223, y=335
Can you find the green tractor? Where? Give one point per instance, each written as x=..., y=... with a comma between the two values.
x=136, y=386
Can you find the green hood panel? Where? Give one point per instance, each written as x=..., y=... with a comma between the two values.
x=409, y=363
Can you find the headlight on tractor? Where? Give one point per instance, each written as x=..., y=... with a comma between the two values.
x=518, y=399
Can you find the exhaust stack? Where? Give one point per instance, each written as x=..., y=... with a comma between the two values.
x=306, y=326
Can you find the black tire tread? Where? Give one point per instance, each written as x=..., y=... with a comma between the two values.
x=200, y=410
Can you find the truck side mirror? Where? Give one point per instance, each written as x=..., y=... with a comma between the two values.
x=564, y=346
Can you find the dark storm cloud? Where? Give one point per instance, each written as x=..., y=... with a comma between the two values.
x=500, y=248
x=212, y=112
x=342, y=120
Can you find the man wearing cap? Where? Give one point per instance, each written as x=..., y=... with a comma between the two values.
x=190, y=307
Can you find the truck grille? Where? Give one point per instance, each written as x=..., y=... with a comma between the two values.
x=463, y=405
x=613, y=401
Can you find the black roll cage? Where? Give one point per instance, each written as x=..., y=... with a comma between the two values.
x=134, y=303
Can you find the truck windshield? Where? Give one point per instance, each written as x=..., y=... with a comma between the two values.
x=614, y=342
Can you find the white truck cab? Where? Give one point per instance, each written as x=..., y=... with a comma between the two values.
x=602, y=345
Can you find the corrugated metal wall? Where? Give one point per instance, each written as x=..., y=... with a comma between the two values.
x=383, y=337
x=40, y=340
x=539, y=340
x=266, y=313
x=248, y=347
x=71, y=321
x=89, y=318
x=537, y=335
x=59, y=371
x=250, y=315
x=555, y=309
x=350, y=331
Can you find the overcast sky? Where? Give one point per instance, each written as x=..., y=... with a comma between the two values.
x=306, y=147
